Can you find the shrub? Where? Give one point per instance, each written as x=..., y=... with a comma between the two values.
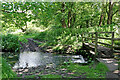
x=6, y=70
x=10, y=43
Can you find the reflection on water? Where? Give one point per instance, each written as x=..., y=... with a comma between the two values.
x=34, y=59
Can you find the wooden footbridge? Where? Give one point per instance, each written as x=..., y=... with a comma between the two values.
x=94, y=44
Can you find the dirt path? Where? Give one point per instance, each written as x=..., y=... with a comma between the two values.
x=30, y=46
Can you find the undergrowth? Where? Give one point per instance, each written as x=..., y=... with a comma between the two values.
x=68, y=40
x=7, y=71
x=10, y=43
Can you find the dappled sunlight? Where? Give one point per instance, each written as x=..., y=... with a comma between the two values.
x=49, y=39
x=18, y=31
x=38, y=29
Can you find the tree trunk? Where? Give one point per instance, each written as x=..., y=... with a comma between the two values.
x=69, y=18
x=110, y=13
x=63, y=19
x=74, y=19
x=102, y=17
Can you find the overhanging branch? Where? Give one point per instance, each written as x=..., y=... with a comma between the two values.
x=115, y=12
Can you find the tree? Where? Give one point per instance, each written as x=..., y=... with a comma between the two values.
x=111, y=12
x=63, y=12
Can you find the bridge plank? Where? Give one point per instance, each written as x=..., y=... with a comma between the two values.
x=116, y=38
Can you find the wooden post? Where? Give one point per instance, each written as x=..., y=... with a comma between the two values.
x=112, y=43
x=96, y=39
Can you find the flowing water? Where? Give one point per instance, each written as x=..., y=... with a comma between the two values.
x=34, y=59
x=35, y=63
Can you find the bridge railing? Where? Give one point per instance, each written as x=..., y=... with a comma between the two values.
x=95, y=36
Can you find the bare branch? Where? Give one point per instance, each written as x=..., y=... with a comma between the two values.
x=115, y=12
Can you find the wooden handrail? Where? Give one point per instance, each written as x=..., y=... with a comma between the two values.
x=116, y=46
x=89, y=38
x=116, y=39
x=88, y=33
x=95, y=39
x=104, y=38
x=104, y=32
x=104, y=43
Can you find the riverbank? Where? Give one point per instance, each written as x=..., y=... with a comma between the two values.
x=59, y=42
x=66, y=70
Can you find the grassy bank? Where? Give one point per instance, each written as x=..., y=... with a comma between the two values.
x=7, y=71
x=75, y=71
x=88, y=71
x=0, y=67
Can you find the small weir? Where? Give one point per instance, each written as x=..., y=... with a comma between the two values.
x=35, y=59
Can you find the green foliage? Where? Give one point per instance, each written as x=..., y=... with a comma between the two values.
x=101, y=67
x=30, y=76
x=51, y=76
x=7, y=71
x=79, y=15
x=87, y=70
x=0, y=67
x=117, y=43
x=60, y=37
x=10, y=43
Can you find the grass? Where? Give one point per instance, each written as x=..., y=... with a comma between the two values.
x=51, y=76
x=0, y=67
x=7, y=71
x=89, y=72
x=76, y=70
x=31, y=76
x=23, y=37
